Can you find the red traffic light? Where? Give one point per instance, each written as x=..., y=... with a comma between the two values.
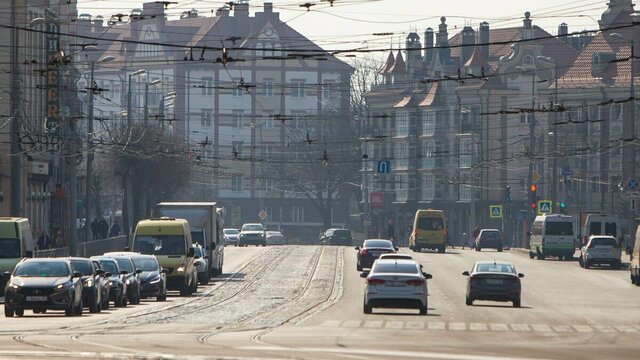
x=533, y=188
x=533, y=205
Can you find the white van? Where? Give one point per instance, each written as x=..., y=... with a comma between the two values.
x=600, y=224
x=552, y=235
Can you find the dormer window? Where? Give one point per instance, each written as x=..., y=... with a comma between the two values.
x=595, y=60
x=527, y=60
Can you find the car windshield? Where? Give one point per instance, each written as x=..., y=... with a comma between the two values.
x=85, y=267
x=345, y=233
x=497, y=268
x=145, y=264
x=231, y=231
x=252, y=227
x=124, y=264
x=109, y=266
x=378, y=244
x=197, y=237
x=558, y=228
x=426, y=223
x=394, y=268
x=42, y=269
x=9, y=248
x=159, y=244
x=603, y=242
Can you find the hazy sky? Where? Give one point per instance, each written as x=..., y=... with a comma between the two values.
x=351, y=23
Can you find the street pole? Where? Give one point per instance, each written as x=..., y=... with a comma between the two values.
x=88, y=201
x=365, y=184
x=554, y=146
x=632, y=123
x=16, y=158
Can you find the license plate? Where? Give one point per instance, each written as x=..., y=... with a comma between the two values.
x=394, y=283
x=375, y=254
x=36, y=298
x=494, y=281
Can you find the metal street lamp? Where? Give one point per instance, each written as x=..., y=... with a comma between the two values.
x=554, y=132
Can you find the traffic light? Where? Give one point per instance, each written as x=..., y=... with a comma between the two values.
x=563, y=207
x=534, y=196
x=507, y=194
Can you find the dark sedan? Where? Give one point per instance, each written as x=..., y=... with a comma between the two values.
x=491, y=280
x=102, y=278
x=91, y=292
x=153, y=279
x=370, y=250
x=41, y=285
x=336, y=237
x=118, y=291
x=131, y=276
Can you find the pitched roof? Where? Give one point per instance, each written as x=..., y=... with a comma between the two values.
x=388, y=64
x=399, y=66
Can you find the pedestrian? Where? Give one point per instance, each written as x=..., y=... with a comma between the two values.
x=95, y=229
x=43, y=240
x=59, y=241
x=103, y=228
x=115, y=229
x=390, y=230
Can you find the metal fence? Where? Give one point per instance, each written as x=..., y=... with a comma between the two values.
x=89, y=248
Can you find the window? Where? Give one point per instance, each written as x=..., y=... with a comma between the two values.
x=238, y=118
x=268, y=121
x=402, y=187
x=428, y=123
x=297, y=88
x=428, y=188
x=466, y=153
x=401, y=155
x=267, y=184
x=328, y=90
x=525, y=118
x=238, y=91
x=237, y=183
x=207, y=86
x=595, y=184
x=237, y=149
x=428, y=155
x=615, y=129
x=465, y=193
x=299, y=119
x=205, y=117
x=527, y=60
x=268, y=88
x=297, y=214
x=402, y=123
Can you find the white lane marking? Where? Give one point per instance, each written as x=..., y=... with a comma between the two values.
x=331, y=323
x=373, y=324
x=351, y=323
x=477, y=327
x=541, y=328
x=603, y=328
x=626, y=328
x=499, y=327
x=394, y=325
x=520, y=327
x=415, y=325
x=386, y=353
x=457, y=326
x=436, y=325
x=562, y=328
x=583, y=328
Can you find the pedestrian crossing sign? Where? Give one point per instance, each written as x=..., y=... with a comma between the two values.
x=495, y=211
x=544, y=207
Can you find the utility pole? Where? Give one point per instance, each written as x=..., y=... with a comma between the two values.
x=127, y=204
x=365, y=184
x=16, y=158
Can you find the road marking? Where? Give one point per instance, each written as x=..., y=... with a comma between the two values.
x=436, y=325
x=583, y=328
x=373, y=324
x=603, y=328
x=626, y=328
x=499, y=327
x=457, y=326
x=477, y=327
x=520, y=327
x=331, y=323
x=351, y=323
x=562, y=328
x=541, y=328
x=415, y=325
x=394, y=325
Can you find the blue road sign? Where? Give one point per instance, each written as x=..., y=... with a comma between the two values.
x=566, y=172
x=633, y=184
x=384, y=167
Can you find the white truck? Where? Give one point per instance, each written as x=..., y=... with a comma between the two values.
x=599, y=224
x=205, y=220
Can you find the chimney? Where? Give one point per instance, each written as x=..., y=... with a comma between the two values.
x=527, y=28
x=241, y=9
x=428, y=45
x=468, y=40
x=98, y=24
x=443, y=41
x=563, y=29
x=484, y=42
x=223, y=11
x=268, y=8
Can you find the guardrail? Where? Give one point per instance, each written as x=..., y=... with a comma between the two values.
x=89, y=248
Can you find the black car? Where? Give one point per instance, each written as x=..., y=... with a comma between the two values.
x=131, y=276
x=91, y=293
x=41, y=285
x=336, y=237
x=491, y=280
x=118, y=286
x=102, y=279
x=153, y=279
x=371, y=249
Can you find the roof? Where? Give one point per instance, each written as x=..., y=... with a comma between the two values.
x=430, y=96
x=399, y=65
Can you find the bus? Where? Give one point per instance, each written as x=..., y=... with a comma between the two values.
x=429, y=231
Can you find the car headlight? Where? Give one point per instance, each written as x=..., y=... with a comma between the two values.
x=14, y=286
x=181, y=269
x=59, y=287
x=110, y=283
x=155, y=280
x=128, y=281
x=88, y=283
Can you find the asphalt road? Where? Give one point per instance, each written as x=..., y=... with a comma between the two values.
x=306, y=302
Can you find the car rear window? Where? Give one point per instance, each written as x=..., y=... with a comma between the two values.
x=604, y=242
x=425, y=223
x=346, y=233
x=394, y=268
x=490, y=235
x=498, y=268
x=231, y=231
x=559, y=228
x=378, y=244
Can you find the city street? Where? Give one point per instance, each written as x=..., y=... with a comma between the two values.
x=306, y=302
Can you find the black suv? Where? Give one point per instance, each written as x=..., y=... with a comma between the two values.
x=336, y=237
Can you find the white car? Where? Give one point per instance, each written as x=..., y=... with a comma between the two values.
x=275, y=238
x=396, y=256
x=252, y=234
x=203, y=268
x=231, y=236
x=395, y=283
x=600, y=249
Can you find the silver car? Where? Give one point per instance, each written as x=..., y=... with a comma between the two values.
x=599, y=250
x=231, y=236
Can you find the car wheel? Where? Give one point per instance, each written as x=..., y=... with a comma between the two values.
x=423, y=310
x=478, y=248
x=531, y=255
x=468, y=301
x=185, y=289
x=417, y=249
x=358, y=267
x=367, y=309
x=162, y=297
x=105, y=304
x=206, y=277
x=441, y=249
x=69, y=310
x=516, y=303
x=8, y=311
x=19, y=312
x=586, y=264
x=78, y=309
x=637, y=281
x=95, y=307
x=124, y=301
x=500, y=249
